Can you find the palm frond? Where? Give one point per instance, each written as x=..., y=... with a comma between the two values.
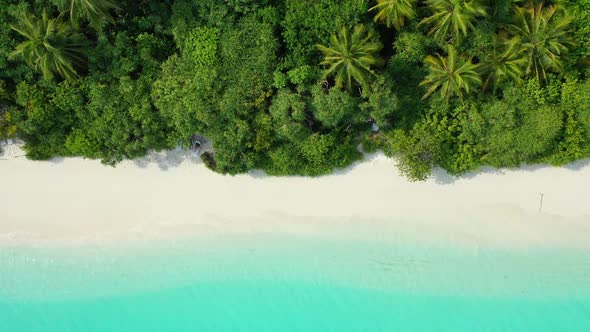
x=50, y=47
x=451, y=75
x=394, y=13
x=350, y=56
x=544, y=36
x=452, y=18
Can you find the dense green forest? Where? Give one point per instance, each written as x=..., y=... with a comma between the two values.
x=300, y=86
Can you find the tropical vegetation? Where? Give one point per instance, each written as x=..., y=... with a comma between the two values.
x=394, y=13
x=456, y=84
x=452, y=19
x=451, y=75
x=50, y=47
x=350, y=56
x=544, y=36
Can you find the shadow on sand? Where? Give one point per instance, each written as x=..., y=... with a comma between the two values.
x=173, y=158
x=440, y=176
x=260, y=174
x=168, y=159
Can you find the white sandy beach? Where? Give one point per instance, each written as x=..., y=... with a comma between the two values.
x=172, y=194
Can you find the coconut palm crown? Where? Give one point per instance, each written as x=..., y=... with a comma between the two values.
x=93, y=11
x=544, y=35
x=451, y=75
x=505, y=62
x=51, y=47
x=394, y=13
x=452, y=18
x=351, y=56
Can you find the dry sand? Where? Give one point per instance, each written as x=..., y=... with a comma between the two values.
x=172, y=194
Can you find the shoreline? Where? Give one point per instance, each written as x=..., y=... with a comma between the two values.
x=171, y=194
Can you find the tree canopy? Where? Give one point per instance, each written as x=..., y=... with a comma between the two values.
x=51, y=47
x=543, y=34
x=456, y=84
x=451, y=75
x=350, y=56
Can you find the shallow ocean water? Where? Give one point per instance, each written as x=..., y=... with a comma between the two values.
x=292, y=282
x=294, y=306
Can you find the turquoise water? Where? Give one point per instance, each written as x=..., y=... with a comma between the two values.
x=292, y=306
x=270, y=282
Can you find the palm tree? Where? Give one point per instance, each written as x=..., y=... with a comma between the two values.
x=504, y=62
x=452, y=17
x=451, y=75
x=394, y=12
x=93, y=11
x=544, y=35
x=350, y=56
x=51, y=47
